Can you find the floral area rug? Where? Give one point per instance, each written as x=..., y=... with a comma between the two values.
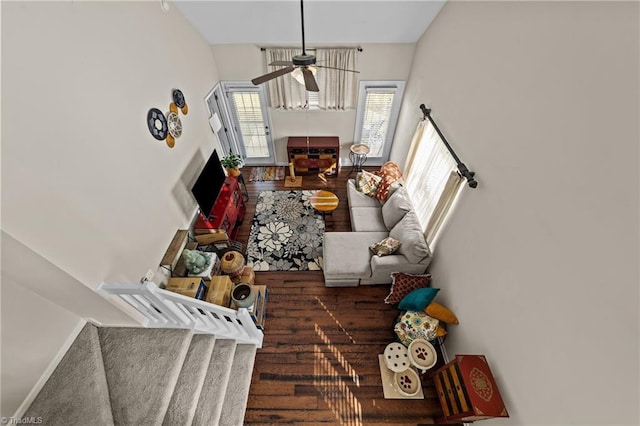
x=286, y=233
x=262, y=173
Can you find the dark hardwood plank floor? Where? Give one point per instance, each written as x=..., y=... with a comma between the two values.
x=319, y=361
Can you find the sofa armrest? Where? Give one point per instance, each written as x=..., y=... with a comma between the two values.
x=383, y=266
x=390, y=261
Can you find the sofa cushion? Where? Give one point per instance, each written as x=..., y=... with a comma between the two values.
x=396, y=206
x=390, y=173
x=366, y=219
x=409, y=233
x=357, y=198
x=403, y=284
x=418, y=299
x=385, y=247
x=367, y=183
x=346, y=254
x=441, y=312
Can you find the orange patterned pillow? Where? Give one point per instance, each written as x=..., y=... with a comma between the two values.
x=403, y=284
x=390, y=173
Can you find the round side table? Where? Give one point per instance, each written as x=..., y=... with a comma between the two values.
x=358, y=156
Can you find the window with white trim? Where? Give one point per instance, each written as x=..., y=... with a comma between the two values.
x=378, y=108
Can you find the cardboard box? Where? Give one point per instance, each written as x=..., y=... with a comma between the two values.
x=191, y=286
x=248, y=276
x=258, y=310
x=220, y=290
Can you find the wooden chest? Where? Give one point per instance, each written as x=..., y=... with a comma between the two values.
x=467, y=390
x=314, y=154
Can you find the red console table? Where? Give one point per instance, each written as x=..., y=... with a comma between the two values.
x=320, y=155
x=228, y=210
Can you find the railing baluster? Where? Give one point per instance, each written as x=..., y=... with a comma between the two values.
x=171, y=310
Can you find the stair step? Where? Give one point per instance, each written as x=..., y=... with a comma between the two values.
x=213, y=389
x=142, y=366
x=186, y=394
x=77, y=392
x=237, y=394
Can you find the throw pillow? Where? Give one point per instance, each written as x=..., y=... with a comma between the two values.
x=415, y=325
x=403, y=284
x=390, y=173
x=440, y=312
x=385, y=247
x=396, y=206
x=367, y=183
x=440, y=331
x=408, y=230
x=418, y=299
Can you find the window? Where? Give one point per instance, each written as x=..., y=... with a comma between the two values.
x=378, y=108
x=431, y=179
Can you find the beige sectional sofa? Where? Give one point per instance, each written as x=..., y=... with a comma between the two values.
x=348, y=262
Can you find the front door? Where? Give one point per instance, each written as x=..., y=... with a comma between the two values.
x=251, y=127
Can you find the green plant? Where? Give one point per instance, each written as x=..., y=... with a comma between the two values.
x=231, y=161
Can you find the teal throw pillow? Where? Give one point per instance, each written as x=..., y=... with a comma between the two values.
x=418, y=299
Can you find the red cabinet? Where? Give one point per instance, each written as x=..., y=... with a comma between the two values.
x=467, y=390
x=228, y=210
x=314, y=154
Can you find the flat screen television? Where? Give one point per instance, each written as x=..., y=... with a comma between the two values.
x=208, y=184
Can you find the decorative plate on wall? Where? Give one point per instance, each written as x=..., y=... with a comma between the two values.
x=157, y=124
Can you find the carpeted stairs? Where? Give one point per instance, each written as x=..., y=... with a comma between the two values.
x=145, y=376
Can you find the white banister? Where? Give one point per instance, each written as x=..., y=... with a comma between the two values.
x=166, y=309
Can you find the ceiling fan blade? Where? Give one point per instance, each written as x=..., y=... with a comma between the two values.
x=334, y=68
x=281, y=64
x=309, y=80
x=272, y=75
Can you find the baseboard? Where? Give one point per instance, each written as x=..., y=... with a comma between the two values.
x=35, y=390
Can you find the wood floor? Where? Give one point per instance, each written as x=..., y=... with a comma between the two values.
x=319, y=361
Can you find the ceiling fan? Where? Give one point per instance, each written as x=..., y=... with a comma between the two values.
x=302, y=62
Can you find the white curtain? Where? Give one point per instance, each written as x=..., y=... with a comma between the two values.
x=338, y=89
x=449, y=195
x=430, y=180
x=285, y=93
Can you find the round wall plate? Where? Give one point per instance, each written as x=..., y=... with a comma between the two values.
x=174, y=124
x=178, y=98
x=157, y=124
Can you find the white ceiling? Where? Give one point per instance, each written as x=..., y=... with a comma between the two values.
x=326, y=22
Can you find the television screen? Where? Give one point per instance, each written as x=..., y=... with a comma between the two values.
x=208, y=184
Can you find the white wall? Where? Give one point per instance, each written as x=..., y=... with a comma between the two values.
x=540, y=262
x=88, y=195
x=84, y=183
x=33, y=331
x=375, y=62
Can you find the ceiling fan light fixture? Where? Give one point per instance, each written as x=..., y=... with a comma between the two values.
x=297, y=74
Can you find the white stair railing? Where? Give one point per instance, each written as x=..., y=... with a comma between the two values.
x=166, y=309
